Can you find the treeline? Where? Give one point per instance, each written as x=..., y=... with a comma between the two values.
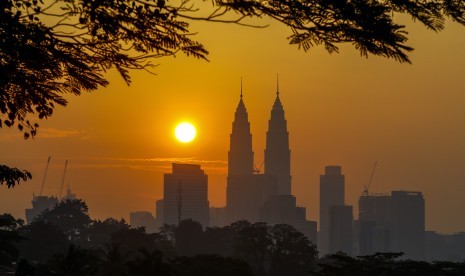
x=66, y=241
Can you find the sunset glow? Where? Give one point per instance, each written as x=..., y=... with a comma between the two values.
x=185, y=132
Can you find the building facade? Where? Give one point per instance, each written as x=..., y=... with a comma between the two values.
x=185, y=195
x=331, y=194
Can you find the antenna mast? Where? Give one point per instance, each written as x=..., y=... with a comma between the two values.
x=45, y=176
x=63, y=180
x=179, y=202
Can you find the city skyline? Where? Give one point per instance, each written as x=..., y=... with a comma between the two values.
x=398, y=119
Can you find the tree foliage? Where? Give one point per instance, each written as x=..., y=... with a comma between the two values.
x=9, y=238
x=52, y=47
x=12, y=176
x=72, y=217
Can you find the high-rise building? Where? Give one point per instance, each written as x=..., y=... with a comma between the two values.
x=218, y=217
x=374, y=223
x=341, y=220
x=277, y=152
x=240, y=155
x=185, y=195
x=331, y=194
x=392, y=223
x=143, y=219
x=39, y=205
x=280, y=209
x=408, y=224
x=246, y=192
x=263, y=197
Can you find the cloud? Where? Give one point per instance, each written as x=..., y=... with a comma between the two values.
x=155, y=164
x=57, y=133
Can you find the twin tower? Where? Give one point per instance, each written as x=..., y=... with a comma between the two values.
x=247, y=190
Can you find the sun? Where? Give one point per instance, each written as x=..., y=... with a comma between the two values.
x=185, y=132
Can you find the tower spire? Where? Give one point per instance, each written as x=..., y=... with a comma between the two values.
x=277, y=85
x=241, y=87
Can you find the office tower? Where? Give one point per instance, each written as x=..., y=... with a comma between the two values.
x=39, y=205
x=408, y=224
x=143, y=219
x=218, y=217
x=392, y=223
x=374, y=223
x=341, y=222
x=185, y=195
x=246, y=192
x=277, y=152
x=240, y=155
x=331, y=194
x=159, y=211
x=280, y=209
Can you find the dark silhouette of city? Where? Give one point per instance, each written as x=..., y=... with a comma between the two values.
x=260, y=231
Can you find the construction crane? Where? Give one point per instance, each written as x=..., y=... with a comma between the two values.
x=63, y=180
x=367, y=187
x=45, y=176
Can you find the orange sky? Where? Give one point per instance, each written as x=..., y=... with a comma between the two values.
x=341, y=110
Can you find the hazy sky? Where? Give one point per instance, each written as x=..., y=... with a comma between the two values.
x=341, y=109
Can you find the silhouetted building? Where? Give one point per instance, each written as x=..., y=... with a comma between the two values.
x=408, y=227
x=240, y=155
x=374, y=223
x=444, y=247
x=143, y=219
x=392, y=223
x=341, y=222
x=277, y=152
x=246, y=192
x=40, y=204
x=159, y=212
x=331, y=194
x=263, y=197
x=186, y=195
x=283, y=209
x=218, y=217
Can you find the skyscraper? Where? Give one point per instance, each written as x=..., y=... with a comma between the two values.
x=277, y=152
x=240, y=155
x=331, y=194
x=408, y=224
x=392, y=223
x=341, y=222
x=245, y=192
x=185, y=195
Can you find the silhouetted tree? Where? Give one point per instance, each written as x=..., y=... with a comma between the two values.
x=42, y=241
x=76, y=261
x=99, y=232
x=201, y=265
x=9, y=239
x=252, y=244
x=189, y=238
x=53, y=47
x=149, y=263
x=72, y=217
x=113, y=262
x=219, y=241
x=132, y=240
x=291, y=252
x=12, y=176
x=380, y=264
x=49, y=48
